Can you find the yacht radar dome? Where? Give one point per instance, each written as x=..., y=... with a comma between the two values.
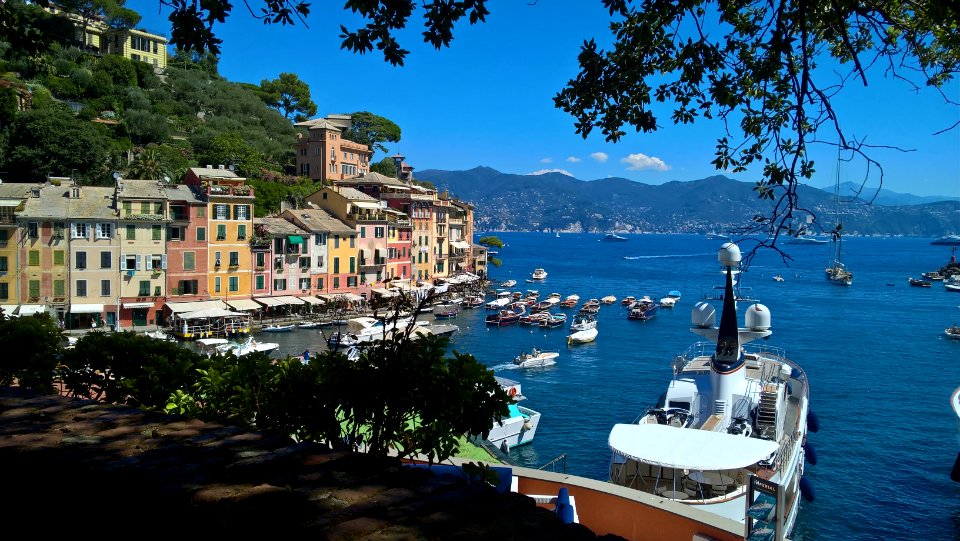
x=757, y=317
x=703, y=315
x=729, y=255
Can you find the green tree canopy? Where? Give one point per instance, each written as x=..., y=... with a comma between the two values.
x=385, y=167
x=55, y=142
x=149, y=164
x=289, y=95
x=30, y=30
x=230, y=149
x=372, y=130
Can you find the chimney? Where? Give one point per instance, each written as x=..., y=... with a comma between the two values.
x=209, y=166
x=221, y=167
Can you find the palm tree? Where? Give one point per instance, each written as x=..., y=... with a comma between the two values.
x=148, y=165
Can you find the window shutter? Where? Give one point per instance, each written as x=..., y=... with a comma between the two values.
x=73, y=230
x=139, y=263
x=163, y=261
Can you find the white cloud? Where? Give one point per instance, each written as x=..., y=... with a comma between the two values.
x=573, y=159
x=600, y=156
x=545, y=171
x=640, y=162
x=546, y=160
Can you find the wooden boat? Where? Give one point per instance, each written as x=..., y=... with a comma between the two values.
x=644, y=309
x=504, y=317
x=309, y=325
x=628, y=300
x=570, y=301
x=552, y=321
x=919, y=283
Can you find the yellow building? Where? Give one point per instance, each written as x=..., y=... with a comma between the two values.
x=143, y=256
x=229, y=228
x=12, y=197
x=133, y=43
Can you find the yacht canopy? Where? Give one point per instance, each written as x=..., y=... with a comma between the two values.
x=687, y=448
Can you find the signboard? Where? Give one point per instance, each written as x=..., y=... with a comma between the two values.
x=764, y=518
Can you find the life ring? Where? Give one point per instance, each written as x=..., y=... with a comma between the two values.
x=513, y=392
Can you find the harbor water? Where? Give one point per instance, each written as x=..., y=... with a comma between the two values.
x=880, y=369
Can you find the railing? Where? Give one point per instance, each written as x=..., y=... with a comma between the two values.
x=553, y=465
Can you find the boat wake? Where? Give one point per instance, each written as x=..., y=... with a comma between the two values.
x=665, y=256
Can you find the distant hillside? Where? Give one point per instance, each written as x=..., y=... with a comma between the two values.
x=554, y=201
x=887, y=197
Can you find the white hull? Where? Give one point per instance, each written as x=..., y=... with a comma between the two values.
x=509, y=432
x=582, y=337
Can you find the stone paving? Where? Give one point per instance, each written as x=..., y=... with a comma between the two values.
x=92, y=469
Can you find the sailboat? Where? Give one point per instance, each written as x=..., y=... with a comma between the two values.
x=836, y=271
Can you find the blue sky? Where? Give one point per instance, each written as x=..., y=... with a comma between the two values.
x=487, y=100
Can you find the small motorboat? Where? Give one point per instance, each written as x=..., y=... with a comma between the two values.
x=582, y=322
x=582, y=337
x=933, y=276
x=609, y=299
x=508, y=283
x=778, y=278
x=628, y=300
x=279, y=328
x=536, y=359
x=538, y=274
x=552, y=321
x=952, y=332
x=309, y=325
x=915, y=282
x=505, y=317
x=644, y=309
x=570, y=301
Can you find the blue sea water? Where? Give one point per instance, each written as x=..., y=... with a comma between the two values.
x=881, y=371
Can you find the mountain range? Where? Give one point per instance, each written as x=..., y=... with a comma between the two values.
x=558, y=202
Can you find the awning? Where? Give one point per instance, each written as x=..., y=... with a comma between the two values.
x=9, y=309
x=312, y=300
x=178, y=307
x=288, y=299
x=351, y=296
x=83, y=309
x=137, y=305
x=383, y=292
x=295, y=239
x=460, y=244
x=243, y=304
x=673, y=447
x=30, y=309
x=268, y=301
x=366, y=204
x=211, y=312
x=10, y=203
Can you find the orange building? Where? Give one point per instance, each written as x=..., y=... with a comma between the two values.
x=324, y=155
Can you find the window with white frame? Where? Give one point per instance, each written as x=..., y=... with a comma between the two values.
x=221, y=212
x=78, y=231
x=305, y=262
x=319, y=260
x=104, y=231
x=305, y=283
x=128, y=262
x=279, y=283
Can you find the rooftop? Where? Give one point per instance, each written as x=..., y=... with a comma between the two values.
x=279, y=227
x=141, y=189
x=320, y=221
x=126, y=470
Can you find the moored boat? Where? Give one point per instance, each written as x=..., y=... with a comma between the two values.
x=570, y=301
x=507, y=316
x=582, y=322
x=952, y=332
x=279, y=328
x=933, y=276
x=539, y=274
x=519, y=425
x=446, y=311
x=915, y=282
x=583, y=337
x=643, y=309
x=730, y=433
x=609, y=299
x=628, y=300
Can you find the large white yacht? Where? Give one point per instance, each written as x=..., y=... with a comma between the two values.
x=730, y=434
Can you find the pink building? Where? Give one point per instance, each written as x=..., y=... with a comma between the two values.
x=324, y=155
x=186, y=245
x=286, y=276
